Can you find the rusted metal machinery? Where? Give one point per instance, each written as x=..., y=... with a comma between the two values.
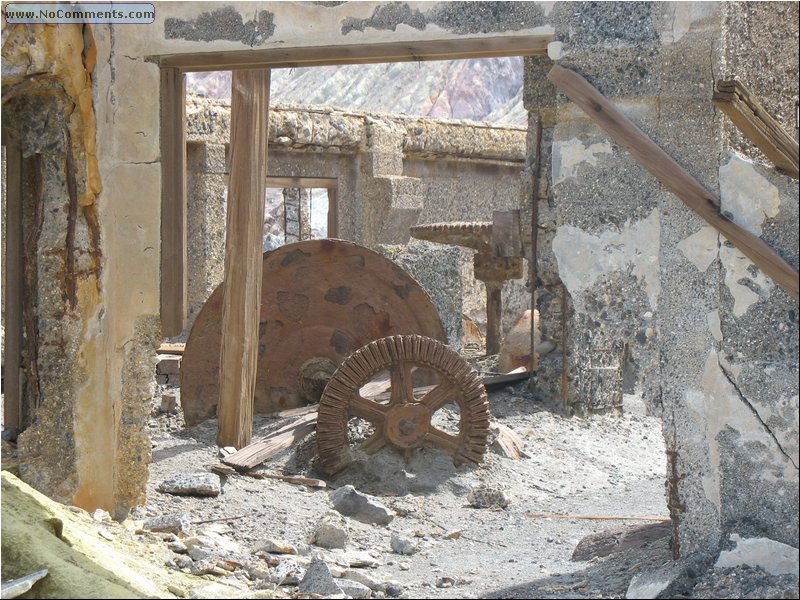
x=321, y=300
x=407, y=418
x=498, y=258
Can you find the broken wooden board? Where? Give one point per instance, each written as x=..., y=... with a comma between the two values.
x=662, y=166
x=257, y=452
x=297, y=480
x=745, y=111
x=620, y=539
x=507, y=441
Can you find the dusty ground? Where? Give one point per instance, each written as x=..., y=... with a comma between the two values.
x=606, y=466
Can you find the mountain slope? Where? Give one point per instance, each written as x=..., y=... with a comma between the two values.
x=484, y=89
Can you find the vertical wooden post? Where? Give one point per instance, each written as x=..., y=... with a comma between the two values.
x=12, y=405
x=241, y=303
x=174, y=272
x=333, y=214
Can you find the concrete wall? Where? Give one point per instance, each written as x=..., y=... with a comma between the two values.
x=392, y=172
x=655, y=301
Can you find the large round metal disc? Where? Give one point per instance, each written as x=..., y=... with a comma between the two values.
x=320, y=299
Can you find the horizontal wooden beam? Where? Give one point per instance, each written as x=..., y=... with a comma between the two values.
x=318, y=56
x=302, y=182
x=745, y=111
x=673, y=176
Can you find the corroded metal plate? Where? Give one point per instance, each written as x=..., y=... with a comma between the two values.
x=320, y=299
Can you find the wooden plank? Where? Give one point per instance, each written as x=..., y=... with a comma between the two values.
x=171, y=348
x=302, y=182
x=316, y=56
x=673, y=176
x=241, y=301
x=254, y=454
x=174, y=274
x=734, y=99
x=12, y=351
x=506, y=239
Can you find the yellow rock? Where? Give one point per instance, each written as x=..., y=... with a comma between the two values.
x=38, y=533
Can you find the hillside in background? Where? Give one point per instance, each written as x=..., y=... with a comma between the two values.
x=483, y=89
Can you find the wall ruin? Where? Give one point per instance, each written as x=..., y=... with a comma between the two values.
x=655, y=302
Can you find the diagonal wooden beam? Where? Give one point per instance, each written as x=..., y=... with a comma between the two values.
x=745, y=111
x=648, y=154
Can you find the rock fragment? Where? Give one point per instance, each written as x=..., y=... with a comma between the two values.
x=197, y=484
x=352, y=503
x=318, y=580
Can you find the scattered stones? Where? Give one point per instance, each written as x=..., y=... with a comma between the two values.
x=197, y=484
x=364, y=579
x=257, y=570
x=182, y=561
x=318, y=580
x=394, y=589
x=452, y=535
x=489, y=495
x=359, y=559
x=331, y=532
x=207, y=567
x=354, y=589
x=171, y=522
x=101, y=515
x=276, y=547
x=445, y=582
x=352, y=503
x=402, y=544
x=177, y=547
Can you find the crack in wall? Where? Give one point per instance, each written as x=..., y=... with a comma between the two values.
x=752, y=408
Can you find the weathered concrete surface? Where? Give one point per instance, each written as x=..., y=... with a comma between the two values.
x=654, y=290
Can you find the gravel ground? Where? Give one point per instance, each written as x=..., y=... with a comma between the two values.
x=601, y=466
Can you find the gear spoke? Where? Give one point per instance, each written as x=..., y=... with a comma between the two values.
x=402, y=385
x=437, y=438
x=405, y=422
x=367, y=409
x=439, y=396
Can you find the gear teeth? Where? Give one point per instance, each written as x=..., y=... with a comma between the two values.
x=381, y=355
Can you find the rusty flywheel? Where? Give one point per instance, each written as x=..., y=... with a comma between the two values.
x=406, y=417
x=320, y=301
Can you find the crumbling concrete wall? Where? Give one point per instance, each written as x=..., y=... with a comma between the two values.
x=392, y=172
x=648, y=287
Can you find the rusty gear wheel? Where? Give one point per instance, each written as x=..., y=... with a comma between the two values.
x=406, y=421
x=320, y=301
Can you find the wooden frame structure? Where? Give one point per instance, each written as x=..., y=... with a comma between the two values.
x=243, y=281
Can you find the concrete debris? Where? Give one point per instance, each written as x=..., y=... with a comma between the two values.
x=445, y=582
x=318, y=580
x=403, y=545
x=288, y=572
x=652, y=583
x=489, y=495
x=101, y=515
x=177, y=547
x=360, y=559
x=172, y=523
x=352, y=503
x=274, y=546
x=169, y=403
x=198, y=484
x=774, y=557
x=331, y=531
x=168, y=364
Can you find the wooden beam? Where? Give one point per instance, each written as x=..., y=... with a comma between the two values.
x=256, y=453
x=302, y=182
x=734, y=99
x=280, y=58
x=174, y=273
x=12, y=352
x=333, y=213
x=241, y=301
x=673, y=176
